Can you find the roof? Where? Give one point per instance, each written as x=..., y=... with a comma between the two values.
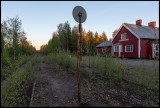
x=141, y=32
x=144, y=31
x=105, y=43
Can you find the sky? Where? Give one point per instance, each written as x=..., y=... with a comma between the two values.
x=41, y=18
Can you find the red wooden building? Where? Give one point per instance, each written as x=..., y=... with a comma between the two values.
x=136, y=41
x=104, y=48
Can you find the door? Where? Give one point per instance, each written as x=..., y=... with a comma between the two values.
x=120, y=50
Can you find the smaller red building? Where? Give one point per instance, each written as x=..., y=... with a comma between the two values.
x=104, y=48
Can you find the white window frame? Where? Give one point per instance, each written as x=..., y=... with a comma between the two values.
x=122, y=35
x=116, y=46
x=129, y=48
x=156, y=50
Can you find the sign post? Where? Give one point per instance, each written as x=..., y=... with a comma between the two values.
x=79, y=15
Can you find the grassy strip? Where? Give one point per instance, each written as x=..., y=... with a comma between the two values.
x=9, y=69
x=104, y=67
x=17, y=89
x=65, y=60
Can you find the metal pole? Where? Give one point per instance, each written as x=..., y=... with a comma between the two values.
x=79, y=56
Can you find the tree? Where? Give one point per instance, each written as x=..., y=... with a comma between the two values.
x=54, y=35
x=100, y=39
x=14, y=38
x=96, y=39
x=90, y=41
x=104, y=37
x=110, y=39
x=2, y=41
x=42, y=47
x=74, y=39
x=84, y=42
x=114, y=33
x=15, y=29
x=64, y=34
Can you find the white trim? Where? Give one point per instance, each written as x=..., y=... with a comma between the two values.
x=119, y=53
x=152, y=50
x=139, y=48
x=119, y=50
x=112, y=49
x=126, y=28
x=124, y=40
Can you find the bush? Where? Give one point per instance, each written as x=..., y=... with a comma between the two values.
x=6, y=60
x=10, y=67
x=64, y=59
x=15, y=92
x=106, y=67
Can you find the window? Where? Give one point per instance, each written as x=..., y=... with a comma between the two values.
x=157, y=49
x=129, y=48
x=115, y=48
x=123, y=36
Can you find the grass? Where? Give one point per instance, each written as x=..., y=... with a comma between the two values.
x=100, y=72
x=66, y=61
x=86, y=74
x=140, y=80
x=16, y=91
x=105, y=67
x=7, y=70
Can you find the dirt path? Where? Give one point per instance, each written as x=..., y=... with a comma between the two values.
x=53, y=89
x=57, y=90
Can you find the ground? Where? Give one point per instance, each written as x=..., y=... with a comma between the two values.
x=55, y=89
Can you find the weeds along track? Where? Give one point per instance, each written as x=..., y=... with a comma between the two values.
x=51, y=88
x=18, y=87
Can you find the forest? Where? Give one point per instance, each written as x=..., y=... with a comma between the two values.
x=65, y=39
x=14, y=42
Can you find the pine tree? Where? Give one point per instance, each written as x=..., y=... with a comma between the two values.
x=96, y=39
x=104, y=37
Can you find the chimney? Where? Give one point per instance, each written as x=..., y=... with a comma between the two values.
x=139, y=22
x=152, y=24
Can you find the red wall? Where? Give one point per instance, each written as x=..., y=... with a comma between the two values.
x=132, y=41
x=146, y=49
x=116, y=53
x=108, y=50
x=149, y=47
x=99, y=50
